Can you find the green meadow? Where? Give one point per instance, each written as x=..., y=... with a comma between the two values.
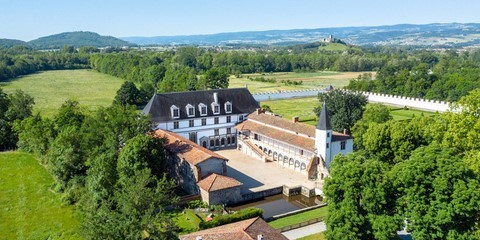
x=29, y=209
x=309, y=80
x=303, y=108
x=52, y=88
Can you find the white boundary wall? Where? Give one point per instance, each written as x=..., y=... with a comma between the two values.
x=401, y=101
x=418, y=103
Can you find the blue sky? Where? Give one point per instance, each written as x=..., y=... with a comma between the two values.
x=30, y=19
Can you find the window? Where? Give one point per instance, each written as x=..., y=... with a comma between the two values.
x=216, y=120
x=328, y=145
x=229, y=130
x=202, y=108
x=191, y=123
x=342, y=145
x=229, y=119
x=217, y=132
x=175, y=125
x=328, y=134
x=204, y=121
x=240, y=118
x=228, y=107
x=215, y=108
x=175, y=111
x=190, y=110
x=192, y=137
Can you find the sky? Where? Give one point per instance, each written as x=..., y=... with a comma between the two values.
x=30, y=19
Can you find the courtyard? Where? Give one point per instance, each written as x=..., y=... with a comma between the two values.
x=257, y=175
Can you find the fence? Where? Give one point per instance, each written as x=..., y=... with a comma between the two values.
x=302, y=224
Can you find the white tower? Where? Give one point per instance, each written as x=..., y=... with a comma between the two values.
x=323, y=136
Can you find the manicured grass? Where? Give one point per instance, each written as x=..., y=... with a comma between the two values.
x=303, y=108
x=187, y=222
x=316, y=236
x=406, y=114
x=28, y=209
x=309, y=79
x=299, y=218
x=52, y=88
x=300, y=107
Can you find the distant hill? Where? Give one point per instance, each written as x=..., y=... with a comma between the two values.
x=8, y=43
x=426, y=35
x=77, y=39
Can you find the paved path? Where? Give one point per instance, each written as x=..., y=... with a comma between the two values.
x=305, y=231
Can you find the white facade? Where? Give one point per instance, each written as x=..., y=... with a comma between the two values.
x=209, y=131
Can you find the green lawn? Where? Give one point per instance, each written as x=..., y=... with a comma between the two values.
x=299, y=218
x=28, y=209
x=300, y=107
x=187, y=222
x=309, y=79
x=316, y=236
x=52, y=88
x=405, y=114
x=303, y=108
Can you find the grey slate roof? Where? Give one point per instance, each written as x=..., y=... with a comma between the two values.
x=159, y=105
x=324, y=119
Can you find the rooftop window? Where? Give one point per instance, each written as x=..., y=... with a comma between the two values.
x=175, y=111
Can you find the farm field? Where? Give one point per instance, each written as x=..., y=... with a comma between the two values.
x=52, y=88
x=309, y=79
x=303, y=108
x=28, y=209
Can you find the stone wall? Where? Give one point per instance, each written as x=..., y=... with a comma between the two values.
x=418, y=103
x=224, y=196
x=261, y=194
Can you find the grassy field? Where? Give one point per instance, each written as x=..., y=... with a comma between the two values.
x=299, y=218
x=300, y=107
x=303, y=108
x=52, y=88
x=310, y=80
x=187, y=222
x=28, y=209
x=316, y=236
x=405, y=114
x=334, y=47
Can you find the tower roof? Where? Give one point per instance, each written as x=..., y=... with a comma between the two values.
x=324, y=119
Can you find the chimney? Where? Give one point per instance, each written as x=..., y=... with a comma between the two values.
x=260, y=237
x=345, y=131
x=215, y=97
x=295, y=119
x=258, y=111
x=199, y=238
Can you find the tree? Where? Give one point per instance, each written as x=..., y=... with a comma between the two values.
x=128, y=94
x=377, y=113
x=345, y=108
x=216, y=78
x=361, y=200
x=142, y=151
x=69, y=114
x=20, y=107
x=440, y=197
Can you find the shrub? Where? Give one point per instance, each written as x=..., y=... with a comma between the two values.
x=238, y=216
x=197, y=204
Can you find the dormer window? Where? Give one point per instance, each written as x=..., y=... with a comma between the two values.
x=228, y=107
x=175, y=111
x=202, y=108
x=215, y=108
x=190, y=110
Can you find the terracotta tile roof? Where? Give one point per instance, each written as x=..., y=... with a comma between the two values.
x=283, y=123
x=297, y=134
x=244, y=230
x=216, y=182
x=186, y=149
x=287, y=137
